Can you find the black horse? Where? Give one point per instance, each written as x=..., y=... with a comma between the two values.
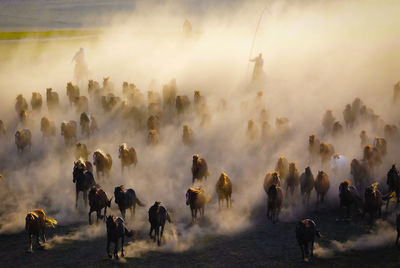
x=126, y=200
x=349, y=196
x=393, y=181
x=158, y=215
x=83, y=179
x=116, y=230
x=306, y=230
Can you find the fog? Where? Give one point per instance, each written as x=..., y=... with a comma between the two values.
x=317, y=56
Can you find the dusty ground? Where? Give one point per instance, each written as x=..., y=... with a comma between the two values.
x=264, y=244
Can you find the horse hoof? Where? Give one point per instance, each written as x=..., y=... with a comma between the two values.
x=29, y=251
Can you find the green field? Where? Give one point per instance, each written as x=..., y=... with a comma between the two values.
x=47, y=34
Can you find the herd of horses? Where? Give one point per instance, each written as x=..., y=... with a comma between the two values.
x=284, y=182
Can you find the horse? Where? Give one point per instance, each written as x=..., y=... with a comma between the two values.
x=36, y=102
x=154, y=123
x=349, y=196
x=306, y=184
x=103, y=163
x=313, y=147
x=271, y=178
x=23, y=138
x=282, y=167
x=84, y=122
x=393, y=180
x=72, y=92
x=152, y=137
x=275, y=200
x=126, y=200
x=182, y=104
x=306, y=230
x=360, y=172
x=187, y=136
x=52, y=99
x=47, y=127
x=326, y=151
x=199, y=168
x=20, y=104
x=97, y=201
x=398, y=228
x=36, y=222
x=292, y=180
x=196, y=199
x=158, y=215
x=115, y=230
x=81, y=151
x=373, y=202
x=321, y=186
x=68, y=130
x=83, y=179
x=128, y=156
x=224, y=190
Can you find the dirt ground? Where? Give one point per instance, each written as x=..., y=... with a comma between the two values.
x=263, y=245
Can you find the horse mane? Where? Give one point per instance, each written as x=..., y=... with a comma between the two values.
x=347, y=182
x=194, y=190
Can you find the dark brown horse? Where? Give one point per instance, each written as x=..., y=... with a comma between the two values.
x=98, y=200
x=275, y=200
x=199, y=168
x=372, y=202
x=126, y=200
x=224, y=190
x=128, y=156
x=349, y=196
x=36, y=222
x=306, y=230
x=306, y=184
x=360, y=172
x=197, y=201
x=103, y=163
x=187, y=136
x=83, y=179
x=292, y=180
x=398, y=228
x=52, y=99
x=68, y=130
x=36, y=102
x=158, y=216
x=393, y=181
x=116, y=230
x=23, y=138
x=47, y=127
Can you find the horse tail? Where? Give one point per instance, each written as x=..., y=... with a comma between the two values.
x=318, y=234
x=139, y=202
x=131, y=233
x=388, y=196
x=51, y=222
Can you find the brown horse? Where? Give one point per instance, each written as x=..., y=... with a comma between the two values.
x=187, y=136
x=23, y=138
x=36, y=102
x=84, y=122
x=182, y=104
x=393, y=181
x=52, y=99
x=128, y=156
x=197, y=201
x=36, y=222
x=199, y=168
x=292, y=180
x=154, y=123
x=271, y=178
x=321, y=186
x=47, y=127
x=224, y=190
x=20, y=104
x=152, y=137
x=372, y=202
x=103, y=163
x=326, y=151
x=81, y=151
x=360, y=172
x=306, y=184
x=313, y=147
x=72, y=92
x=275, y=200
x=68, y=130
x=97, y=201
x=282, y=167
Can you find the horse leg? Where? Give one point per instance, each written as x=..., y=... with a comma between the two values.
x=123, y=213
x=37, y=239
x=90, y=219
x=30, y=242
x=158, y=235
x=105, y=213
x=122, y=245
x=116, y=249
x=312, y=249
x=85, y=198
x=162, y=232
x=302, y=250
x=43, y=236
x=151, y=230
x=193, y=216
x=397, y=239
x=108, y=248
x=98, y=212
x=76, y=198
